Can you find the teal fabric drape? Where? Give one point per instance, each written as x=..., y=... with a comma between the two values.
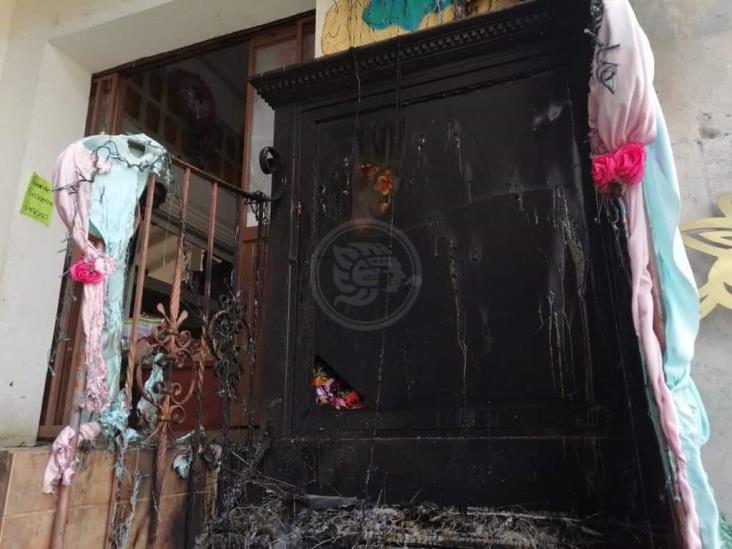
x=112, y=217
x=681, y=309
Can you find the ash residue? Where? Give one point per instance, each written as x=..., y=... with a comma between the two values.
x=281, y=525
x=265, y=513
x=256, y=511
x=424, y=525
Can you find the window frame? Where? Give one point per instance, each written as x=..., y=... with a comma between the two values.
x=105, y=115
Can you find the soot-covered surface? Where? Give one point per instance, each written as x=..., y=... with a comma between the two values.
x=444, y=256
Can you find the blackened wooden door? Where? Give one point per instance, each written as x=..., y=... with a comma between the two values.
x=441, y=252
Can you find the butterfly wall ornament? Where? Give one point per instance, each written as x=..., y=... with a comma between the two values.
x=713, y=236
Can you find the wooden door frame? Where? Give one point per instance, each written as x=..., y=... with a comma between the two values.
x=56, y=405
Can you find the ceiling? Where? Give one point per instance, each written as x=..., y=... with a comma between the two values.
x=110, y=37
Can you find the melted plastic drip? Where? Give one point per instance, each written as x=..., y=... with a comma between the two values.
x=516, y=188
x=434, y=224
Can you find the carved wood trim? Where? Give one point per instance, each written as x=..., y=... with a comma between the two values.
x=463, y=39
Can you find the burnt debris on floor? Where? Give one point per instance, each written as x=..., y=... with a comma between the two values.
x=261, y=512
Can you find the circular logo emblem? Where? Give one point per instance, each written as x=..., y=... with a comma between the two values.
x=365, y=274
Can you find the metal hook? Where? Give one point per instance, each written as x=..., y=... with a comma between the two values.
x=270, y=163
x=269, y=160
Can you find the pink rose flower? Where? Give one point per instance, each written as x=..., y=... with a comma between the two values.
x=353, y=401
x=630, y=162
x=84, y=270
x=603, y=171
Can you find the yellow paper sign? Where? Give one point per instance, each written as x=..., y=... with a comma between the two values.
x=38, y=200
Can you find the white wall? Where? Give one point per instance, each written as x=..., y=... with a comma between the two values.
x=41, y=106
x=6, y=13
x=692, y=43
x=48, y=51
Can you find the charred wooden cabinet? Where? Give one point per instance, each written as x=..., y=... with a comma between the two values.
x=439, y=183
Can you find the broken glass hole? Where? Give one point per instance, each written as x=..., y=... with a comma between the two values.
x=332, y=391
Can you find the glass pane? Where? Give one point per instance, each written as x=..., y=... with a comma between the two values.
x=101, y=124
x=90, y=108
x=308, y=44
x=266, y=58
x=195, y=108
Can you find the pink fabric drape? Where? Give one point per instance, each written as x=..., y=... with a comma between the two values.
x=62, y=464
x=643, y=307
x=622, y=110
x=72, y=175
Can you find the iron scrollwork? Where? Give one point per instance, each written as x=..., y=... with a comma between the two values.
x=171, y=349
x=222, y=333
